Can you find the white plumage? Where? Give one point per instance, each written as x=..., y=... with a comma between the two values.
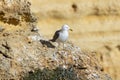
x=61, y=35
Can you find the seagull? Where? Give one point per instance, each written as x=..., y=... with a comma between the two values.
x=61, y=35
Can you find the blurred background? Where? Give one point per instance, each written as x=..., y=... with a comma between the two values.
x=95, y=24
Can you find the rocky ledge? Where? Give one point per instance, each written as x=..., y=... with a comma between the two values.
x=25, y=55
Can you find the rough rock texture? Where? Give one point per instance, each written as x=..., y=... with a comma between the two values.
x=12, y=12
x=95, y=24
x=24, y=54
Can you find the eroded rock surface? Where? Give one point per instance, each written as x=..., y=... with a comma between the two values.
x=24, y=54
x=95, y=24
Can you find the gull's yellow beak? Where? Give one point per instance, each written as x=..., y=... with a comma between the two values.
x=70, y=29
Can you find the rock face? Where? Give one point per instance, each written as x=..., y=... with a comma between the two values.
x=12, y=12
x=78, y=8
x=25, y=55
x=95, y=24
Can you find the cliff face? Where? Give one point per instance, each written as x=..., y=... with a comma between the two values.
x=24, y=54
x=78, y=8
x=95, y=25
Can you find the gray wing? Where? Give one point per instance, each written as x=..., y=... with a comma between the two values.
x=56, y=35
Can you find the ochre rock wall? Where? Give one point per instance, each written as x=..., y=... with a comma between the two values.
x=95, y=24
x=25, y=55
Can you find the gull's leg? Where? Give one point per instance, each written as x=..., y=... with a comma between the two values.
x=63, y=46
x=55, y=52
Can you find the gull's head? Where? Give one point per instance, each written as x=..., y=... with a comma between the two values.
x=65, y=27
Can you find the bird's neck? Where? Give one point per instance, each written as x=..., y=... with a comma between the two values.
x=64, y=30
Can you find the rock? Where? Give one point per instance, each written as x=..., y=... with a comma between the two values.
x=69, y=9
x=95, y=24
x=1, y=29
x=30, y=60
x=13, y=12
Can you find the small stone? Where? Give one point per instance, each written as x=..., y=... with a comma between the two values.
x=35, y=29
x=1, y=29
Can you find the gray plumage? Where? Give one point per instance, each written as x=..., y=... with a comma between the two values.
x=56, y=35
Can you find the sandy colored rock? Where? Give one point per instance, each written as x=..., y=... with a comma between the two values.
x=24, y=54
x=95, y=25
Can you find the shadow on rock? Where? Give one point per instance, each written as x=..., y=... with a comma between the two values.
x=56, y=74
x=47, y=43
